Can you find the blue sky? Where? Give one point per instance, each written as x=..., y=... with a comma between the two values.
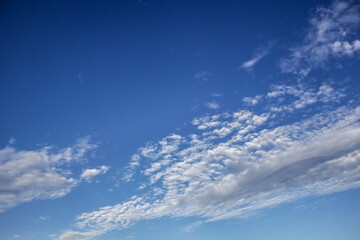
x=179, y=120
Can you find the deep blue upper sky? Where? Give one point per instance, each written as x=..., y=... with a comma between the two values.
x=136, y=61
x=206, y=119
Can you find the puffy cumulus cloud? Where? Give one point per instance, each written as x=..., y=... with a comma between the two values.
x=212, y=105
x=89, y=174
x=252, y=101
x=37, y=174
x=236, y=163
x=332, y=33
x=345, y=48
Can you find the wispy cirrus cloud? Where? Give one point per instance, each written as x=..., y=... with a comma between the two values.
x=332, y=33
x=42, y=218
x=38, y=174
x=192, y=226
x=251, y=63
x=259, y=54
x=71, y=235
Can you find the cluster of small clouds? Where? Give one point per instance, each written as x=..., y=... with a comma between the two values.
x=300, y=96
x=130, y=169
x=39, y=174
x=345, y=48
x=165, y=147
x=236, y=163
x=305, y=97
x=331, y=34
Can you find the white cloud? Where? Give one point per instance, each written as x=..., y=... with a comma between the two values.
x=37, y=174
x=302, y=96
x=164, y=148
x=212, y=105
x=331, y=34
x=88, y=174
x=237, y=163
x=135, y=162
x=192, y=227
x=42, y=218
x=252, y=101
x=251, y=63
x=345, y=48
x=12, y=141
x=207, y=121
x=287, y=98
x=259, y=54
x=72, y=235
x=202, y=75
